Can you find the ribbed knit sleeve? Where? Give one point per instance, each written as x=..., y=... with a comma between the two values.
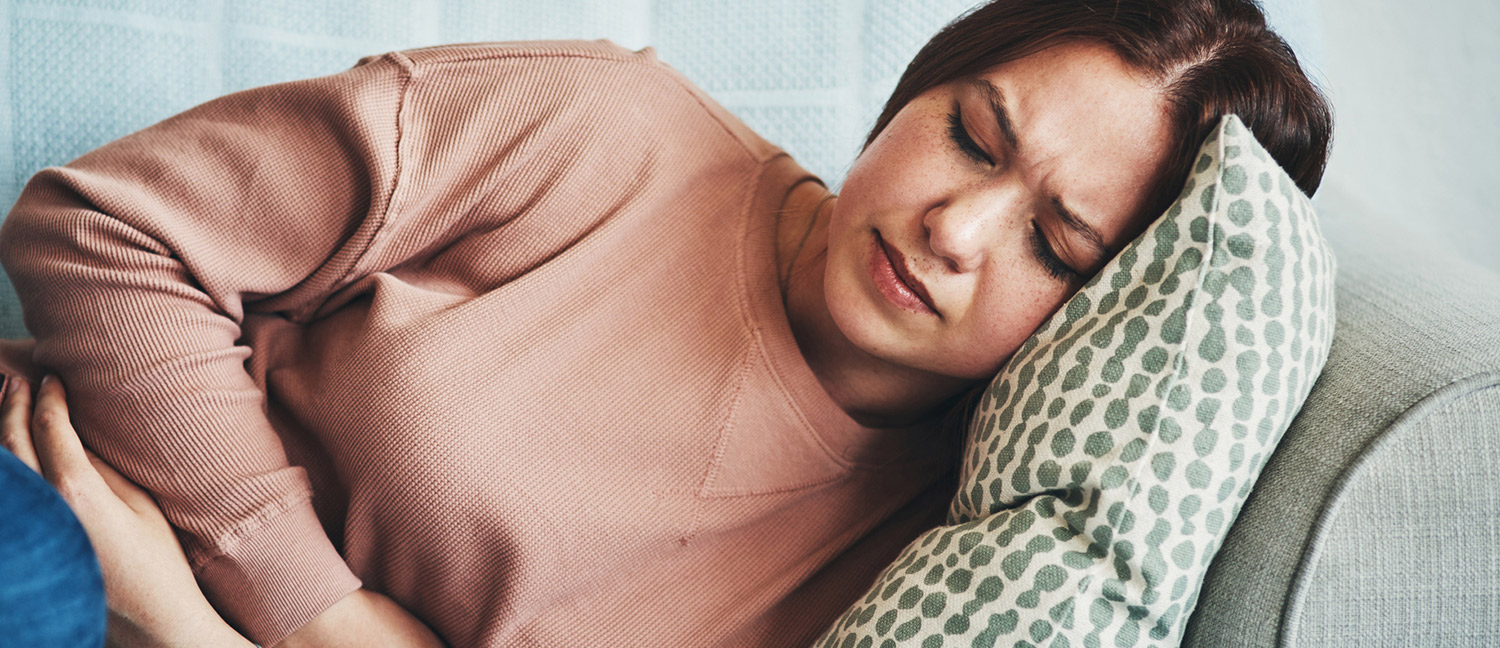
x=135, y=265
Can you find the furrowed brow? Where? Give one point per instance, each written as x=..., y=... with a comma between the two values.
x=1002, y=116
x=1089, y=234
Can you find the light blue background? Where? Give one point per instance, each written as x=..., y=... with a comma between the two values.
x=1416, y=90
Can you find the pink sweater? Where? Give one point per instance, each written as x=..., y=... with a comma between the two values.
x=493, y=329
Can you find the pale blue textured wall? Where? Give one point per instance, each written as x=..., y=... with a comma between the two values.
x=807, y=74
x=80, y=73
x=1416, y=87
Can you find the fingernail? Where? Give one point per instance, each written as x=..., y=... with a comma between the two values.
x=48, y=379
x=16, y=382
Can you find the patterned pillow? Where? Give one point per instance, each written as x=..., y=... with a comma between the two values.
x=1110, y=455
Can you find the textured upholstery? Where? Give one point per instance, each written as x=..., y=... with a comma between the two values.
x=1402, y=429
x=1405, y=553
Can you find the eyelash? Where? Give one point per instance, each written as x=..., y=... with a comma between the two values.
x=960, y=137
x=1043, y=250
x=1039, y=245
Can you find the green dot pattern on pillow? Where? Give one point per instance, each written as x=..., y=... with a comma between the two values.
x=1109, y=457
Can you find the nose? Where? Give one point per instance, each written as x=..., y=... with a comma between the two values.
x=966, y=227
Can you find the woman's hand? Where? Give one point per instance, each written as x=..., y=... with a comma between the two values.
x=151, y=594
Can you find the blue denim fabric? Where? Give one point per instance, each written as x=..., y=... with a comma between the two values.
x=51, y=591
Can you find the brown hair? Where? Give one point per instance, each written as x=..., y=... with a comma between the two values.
x=1209, y=57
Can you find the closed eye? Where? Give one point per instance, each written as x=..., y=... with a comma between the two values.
x=1043, y=251
x=962, y=140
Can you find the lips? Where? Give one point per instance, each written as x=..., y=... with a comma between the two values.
x=903, y=273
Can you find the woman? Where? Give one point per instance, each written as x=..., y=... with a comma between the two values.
x=545, y=342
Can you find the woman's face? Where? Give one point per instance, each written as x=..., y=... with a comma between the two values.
x=1000, y=195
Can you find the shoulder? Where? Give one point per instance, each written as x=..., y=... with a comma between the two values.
x=598, y=73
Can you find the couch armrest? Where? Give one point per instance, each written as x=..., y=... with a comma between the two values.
x=1405, y=551
x=1414, y=360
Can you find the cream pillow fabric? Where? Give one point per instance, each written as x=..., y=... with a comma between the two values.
x=1111, y=454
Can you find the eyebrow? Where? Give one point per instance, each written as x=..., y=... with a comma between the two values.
x=1002, y=116
x=996, y=100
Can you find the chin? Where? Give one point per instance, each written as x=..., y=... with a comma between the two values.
x=864, y=318
x=860, y=319
x=864, y=325
x=875, y=338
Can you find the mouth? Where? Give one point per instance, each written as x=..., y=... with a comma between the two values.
x=909, y=284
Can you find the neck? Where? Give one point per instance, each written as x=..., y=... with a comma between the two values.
x=871, y=390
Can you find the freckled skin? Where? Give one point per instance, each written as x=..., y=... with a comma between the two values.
x=1092, y=131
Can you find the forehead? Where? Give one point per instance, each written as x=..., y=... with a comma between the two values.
x=1092, y=129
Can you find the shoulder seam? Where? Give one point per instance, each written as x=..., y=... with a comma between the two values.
x=407, y=69
x=512, y=54
x=660, y=68
x=678, y=79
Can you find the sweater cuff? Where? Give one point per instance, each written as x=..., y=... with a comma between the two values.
x=273, y=581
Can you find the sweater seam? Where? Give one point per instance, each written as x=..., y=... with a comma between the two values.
x=225, y=545
x=741, y=279
x=754, y=327
x=716, y=458
x=807, y=426
x=678, y=80
x=504, y=54
x=407, y=70
x=410, y=69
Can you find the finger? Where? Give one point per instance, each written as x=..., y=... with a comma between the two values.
x=57, y=446
x=15, y=421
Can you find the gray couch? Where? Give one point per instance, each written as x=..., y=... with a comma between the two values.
x=1377, y=520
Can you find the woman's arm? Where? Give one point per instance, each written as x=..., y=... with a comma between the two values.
x=136, y=265
x=152, y=598
x=150, y=595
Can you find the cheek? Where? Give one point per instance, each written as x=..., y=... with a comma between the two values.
x=904, y=167
x=983, y=350
x=998, y=326
x=838, y=220
x=840, y=279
